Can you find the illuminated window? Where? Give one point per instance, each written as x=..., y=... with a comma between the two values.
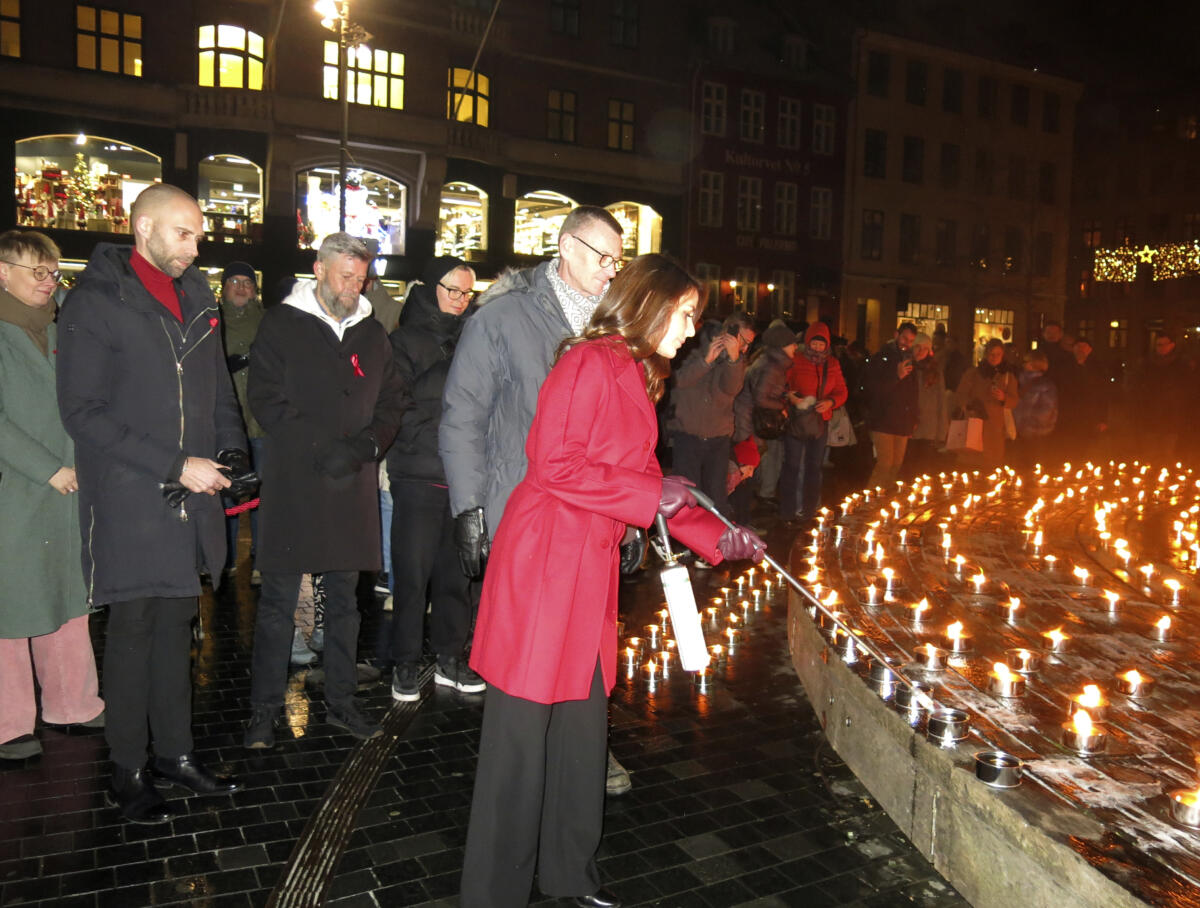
x=1093, y=233
x=537, y=219
x=467, y=96
x=641, y=228
x=376, y=77
x=230, y=57
x=230, y=196
x=462, y=221
x=10, y=28
x=108, y=41
x=560, y=115
x=620, y=125
x=376, y=208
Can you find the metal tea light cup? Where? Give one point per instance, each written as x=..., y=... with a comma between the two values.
x=1138, y=687
x=997, y=769
x=1185, y=807
x=1009, y=685
x=1093, y=741
x=883, y=680
x=931, y=658
x=947, y=726
x=1022, y=660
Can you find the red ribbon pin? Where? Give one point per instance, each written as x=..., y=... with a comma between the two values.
x=357, y=368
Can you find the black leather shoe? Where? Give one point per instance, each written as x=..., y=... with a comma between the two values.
x=132, y=791
x=601, y=898
x=188, y=772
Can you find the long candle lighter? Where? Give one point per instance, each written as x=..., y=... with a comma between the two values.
x=685, y=617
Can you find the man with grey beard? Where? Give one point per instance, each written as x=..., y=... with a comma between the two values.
x=324, y=387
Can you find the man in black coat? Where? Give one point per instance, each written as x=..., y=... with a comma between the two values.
x=890, y=387
x=325, y=389
x=144, y=392
x=425, y=565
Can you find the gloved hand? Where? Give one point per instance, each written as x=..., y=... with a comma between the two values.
x=633, y=552
x=236, y=362
x=676, y=495
x=175, y=492
x=471, y=539
x=740, y=543
x=338, y=458
x=235, y=466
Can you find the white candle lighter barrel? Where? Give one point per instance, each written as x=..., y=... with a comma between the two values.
x=685, y=617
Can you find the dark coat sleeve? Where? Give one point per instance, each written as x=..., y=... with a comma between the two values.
x=394, y=398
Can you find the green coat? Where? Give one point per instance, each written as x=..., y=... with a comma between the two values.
x=41, y=580
x=238, y=330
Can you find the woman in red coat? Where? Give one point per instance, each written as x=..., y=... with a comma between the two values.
x=546, y=637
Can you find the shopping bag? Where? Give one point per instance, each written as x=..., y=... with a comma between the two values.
x=841, y=431
x=965, y=434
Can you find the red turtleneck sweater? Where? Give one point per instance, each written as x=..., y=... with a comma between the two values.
x=160, y=284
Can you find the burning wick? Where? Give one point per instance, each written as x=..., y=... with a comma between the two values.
x=1056, y=639
x=919, y=610
x=888, y=576
x=979, y=580
x=904, y=537
x=1082, y=574
x=1037, y=539
x=1162, y=628
x=871, y=591
x=959, y=561
x=1091, y=698
x=1174, y=586
x=1148, y=571
x=1050, y=561
x=1113, y=600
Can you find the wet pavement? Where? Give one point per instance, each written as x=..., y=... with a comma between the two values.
x=737, y=798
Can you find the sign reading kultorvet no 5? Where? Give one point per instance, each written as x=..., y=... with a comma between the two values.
x=758, y=162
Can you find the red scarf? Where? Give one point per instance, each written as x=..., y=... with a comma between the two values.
x=160, y=284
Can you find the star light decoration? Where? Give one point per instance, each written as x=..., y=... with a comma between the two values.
x=1168, y=260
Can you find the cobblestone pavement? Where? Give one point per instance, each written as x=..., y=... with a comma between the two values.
x=737, y=798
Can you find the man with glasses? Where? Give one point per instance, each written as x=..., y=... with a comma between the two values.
x=706, y=384
x=324, y=387
x=504, y=355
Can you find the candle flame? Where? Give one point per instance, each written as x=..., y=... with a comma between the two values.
x=921, y=606
x=959, y=560
x=1091, y=696
x=888, y=573
x=954, y=631
x=1133, y=676
x=1002, y=671
x=1172, y=584
x=1163, y=623
x=1189, y=798
x=979, y=579
x=1083, y=723
x=1056, y=636
x=831, y=599
x=1014, y=602
x=1081, y=573
x=1112, y=597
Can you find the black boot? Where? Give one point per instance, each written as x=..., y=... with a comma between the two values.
x=133, y=792
x=188, y=772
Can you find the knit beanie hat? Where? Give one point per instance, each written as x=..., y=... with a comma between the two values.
x=239, y=269
x=779, y=334
x=439, y=267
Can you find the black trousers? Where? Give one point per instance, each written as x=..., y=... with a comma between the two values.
x=705, y=461
x=539, y=799
x=275, y=623
x=426, y=569
x=148, y=679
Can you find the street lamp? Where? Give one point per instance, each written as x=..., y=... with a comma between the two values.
x=335, y=16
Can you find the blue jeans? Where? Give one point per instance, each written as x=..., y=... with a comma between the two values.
x=800, y=480
x=231, y=523
x=385, y=522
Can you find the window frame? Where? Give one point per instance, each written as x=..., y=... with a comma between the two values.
x=477, y=88
x=787, y=207
x=252, y=64
x=357, y=75
x=820, y=213
x=128, y=48
x=623, y=23
x=749, y=203
x=870, y=244
x=565, y=18
x=789, y=123
x=824, y=129
x=562, y=116
x=625, y=138
x=711, y=203
x=752, y=116
x=714, y=111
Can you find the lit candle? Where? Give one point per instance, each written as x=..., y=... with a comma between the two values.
x=767, y=586
x=741, y=585
x=665, y=659
x=1049, y=561
x=1056, y=640
x=1082, y=735
x=1162, y=629
x=1010, y=609
x=1114, y=601
x=653, y=636
x=956, y=638
x=1091, y=699
x=1027, y=661
x=703, y=680
x=1174, y=586
x=750, y=576
x=651, y=671
x=1037, y=540
x=959, y=561
x=1147, y=571
x=979, y=580
x=871, y=593
x=919, y=611
x=631, y=658
x=904, y=537
x=1004, y=682
x=716, y=653
x=1082, y=574
x=1134, y=684
x=889, y=577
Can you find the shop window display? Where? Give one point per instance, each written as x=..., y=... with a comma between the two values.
x=230, y=196
x=642, y=225
x=375, y=208
x=462, y=221
x=539, y=217
x=80, y=182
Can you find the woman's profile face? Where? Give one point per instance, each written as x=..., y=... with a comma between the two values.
x=680, y=325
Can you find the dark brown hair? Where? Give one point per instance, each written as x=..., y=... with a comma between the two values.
x=637, y=308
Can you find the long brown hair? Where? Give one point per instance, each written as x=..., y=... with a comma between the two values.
x=637, y=308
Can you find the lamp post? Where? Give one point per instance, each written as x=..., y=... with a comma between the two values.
x=335, y=16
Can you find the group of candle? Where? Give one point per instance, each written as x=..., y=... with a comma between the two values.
x=653, y=655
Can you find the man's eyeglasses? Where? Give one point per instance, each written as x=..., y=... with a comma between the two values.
x=606, y=260
x=457, y=295
x=241, y=282
x=40, y=272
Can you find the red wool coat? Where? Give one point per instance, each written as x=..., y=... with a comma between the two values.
x=549, y=604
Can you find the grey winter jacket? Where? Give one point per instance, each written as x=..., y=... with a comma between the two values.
x=765, y=386
x=503, y=356
x=704, y=392
x=138, y=392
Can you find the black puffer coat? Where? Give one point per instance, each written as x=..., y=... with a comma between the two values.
x=423, y=346
x=891, y=400
x=138, y=391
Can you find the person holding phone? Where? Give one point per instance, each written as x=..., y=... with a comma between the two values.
x=892, y=394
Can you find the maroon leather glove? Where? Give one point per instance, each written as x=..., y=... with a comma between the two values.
x=676, y=495
x=741, y=543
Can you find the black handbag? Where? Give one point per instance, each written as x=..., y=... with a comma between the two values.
x=769, y=422
x=809, y=423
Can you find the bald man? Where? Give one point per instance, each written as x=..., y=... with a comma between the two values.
x=144, y=392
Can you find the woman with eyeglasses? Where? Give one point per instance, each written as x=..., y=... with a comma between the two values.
x=424, y=555
x=43, y=607
x=546, y=641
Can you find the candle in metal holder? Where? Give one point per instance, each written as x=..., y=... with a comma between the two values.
x=703, y=680
x=914, y=696
x=636, y=642
x=1025, y=661
x=1113, y=601
x=1056, y=641
x=1010, y=611
x=1004, y=682
x=979, y=581
x=630, y=657
x=958, y=641
x=1175, y=588
x=1049, y=561
x=712, y=617
x=1162, y=630
x=931, y=658
x=849, y=648
x=716, y=654
x=1083, y=736
x=651, y=671
x=666, y=661
x=664, y=619
x=959, y=561
x=997, y=769
x=1081, y=574
x=757, y=597
x=741, y=584
x=1134, y=684
x=1093, y=700
x=919, y=611
x=1185, y=807
x=767, y=586
x=883, y=679
x=947, y=726
x=653, y=635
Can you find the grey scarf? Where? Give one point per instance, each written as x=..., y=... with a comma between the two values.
x=576, y=306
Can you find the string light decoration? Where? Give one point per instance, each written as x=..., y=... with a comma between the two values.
x=1169, y=261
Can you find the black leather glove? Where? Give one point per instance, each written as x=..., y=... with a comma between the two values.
x=741, y=543
x=175, y=492
x=633, y=552
x=471, y=538
x=235, y=466
x=676, y=495
x=342, y=457
x=236, y=362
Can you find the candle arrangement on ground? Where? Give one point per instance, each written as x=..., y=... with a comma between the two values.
x=1043, y=620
